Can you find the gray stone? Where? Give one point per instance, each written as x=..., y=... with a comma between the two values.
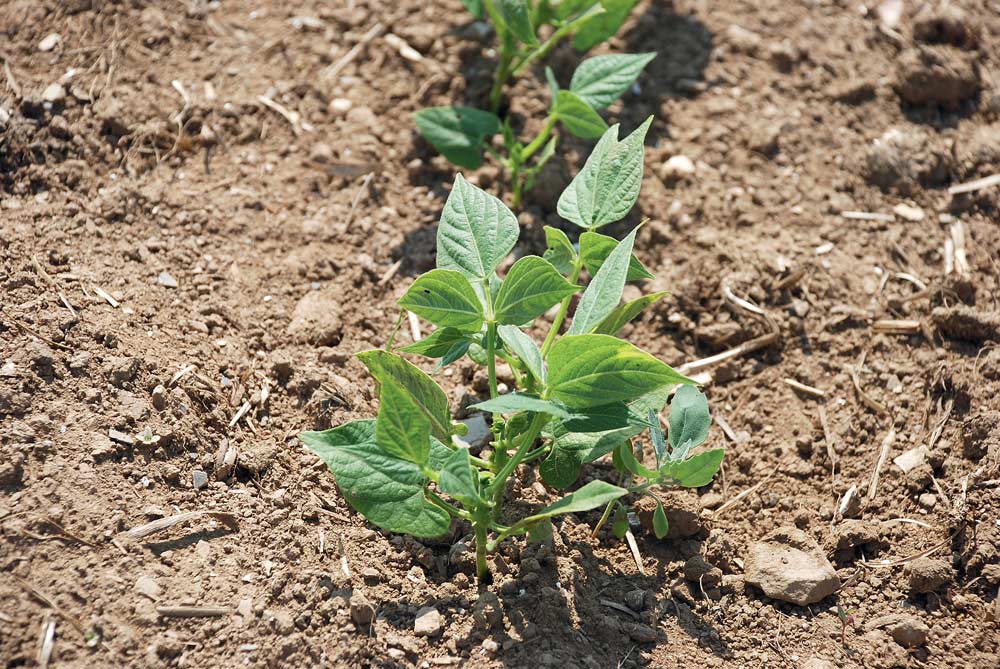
x=909, y=631
x=788, y=565
x=362, y=611
x=199, y=479
x=428, y=622
x=166, y=280
x=147, y=585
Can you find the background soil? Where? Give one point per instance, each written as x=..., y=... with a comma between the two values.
x=136, y=158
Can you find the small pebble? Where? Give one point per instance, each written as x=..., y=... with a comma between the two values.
x=199, y=479
x=677, y=167
x=49, y=42
x=166, y=280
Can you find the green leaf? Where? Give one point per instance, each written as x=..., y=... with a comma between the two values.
x=525, y=348
x=401, y=429
x=567, y=8
x=590, y=496
x=696, y=471
x=454, y=353
x=429, y=398
x=515, y=402
x=437, y=344
x=540, y=531
x=560, y=251
x=579, y=117
x=601, y=80
x=608, y=185
x=531, y=286
x=517, y=16
x=589, y=370
x=459, y=480
x=476, y=231
x=627, y=457
x=689, y=420
x=604, y=25
x=475, y=7
x=595, y=249
x=571, y=450
x=386, y=490
x=624, y=313
x=613, y=416
x=660, y=524
x=605, y=290
x=445, y=298
x=457, y=132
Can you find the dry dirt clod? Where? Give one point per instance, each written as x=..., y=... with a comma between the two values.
x=904, y=160
x=681, y=509
x=789, y=565
x=966, y=323
x=316, y=320
x=487, y=612
x=928, y=574
x=937, y=75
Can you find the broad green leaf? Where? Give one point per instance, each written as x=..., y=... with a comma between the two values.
x=689, y=420
x=627, y=457
x=437, y=344
x=624, y=313
x=588, y=370
x=696, y=471
x=458, y=132
x=604, y=25
x=608, y=185
x=613, y=416
x=386, y=490
x=531, y=286
x=459, y=480
x=525, y=348
x=476, y=231
x=475, y=7
x=540, y=531
x=517, y=16
x=579, y=117
x=454, y=353
x=660, y=524
x=559, y=251
x=595, y=249
x=446, y=298
x=571, y=449
x=601, y=80
x=550, y=78
x=590, y=496
x=429, y=398
x=515, y=402
x=605, y=290
x=401, y=429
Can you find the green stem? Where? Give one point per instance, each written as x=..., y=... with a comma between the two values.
x=539, y=141
x=604, y=517
x=537, y=423
x=436, y=500
x=506, y=55
x=538, y=452
x=550, y=338
x=545, y=47
x=491, y=356
x=482, y=568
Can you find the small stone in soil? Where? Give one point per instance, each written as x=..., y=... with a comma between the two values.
x=166, y=280
x=199, y=479
x=910, y=632
x=428, y=622
x=788, y=565
x=635, y=599
x=54, y=93
x=362, y=611
x=49, y=42
x=147, y=585
x=159, y=397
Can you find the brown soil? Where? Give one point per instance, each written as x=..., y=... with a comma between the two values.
x=280, y=247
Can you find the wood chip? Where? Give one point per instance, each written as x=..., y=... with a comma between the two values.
x=977, y=184
x=808, y=390
x=227, y=519
x=193, y=611
x=634, y=547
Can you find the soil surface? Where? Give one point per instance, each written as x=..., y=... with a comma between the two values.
x=179, y=256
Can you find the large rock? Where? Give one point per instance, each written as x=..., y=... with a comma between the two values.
x=316, y=320
x=789, y=565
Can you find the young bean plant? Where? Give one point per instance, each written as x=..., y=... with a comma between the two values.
x=462, y=134
x=578, y=396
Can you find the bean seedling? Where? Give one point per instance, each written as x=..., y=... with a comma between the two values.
x=579, y=396
x=461, y=134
